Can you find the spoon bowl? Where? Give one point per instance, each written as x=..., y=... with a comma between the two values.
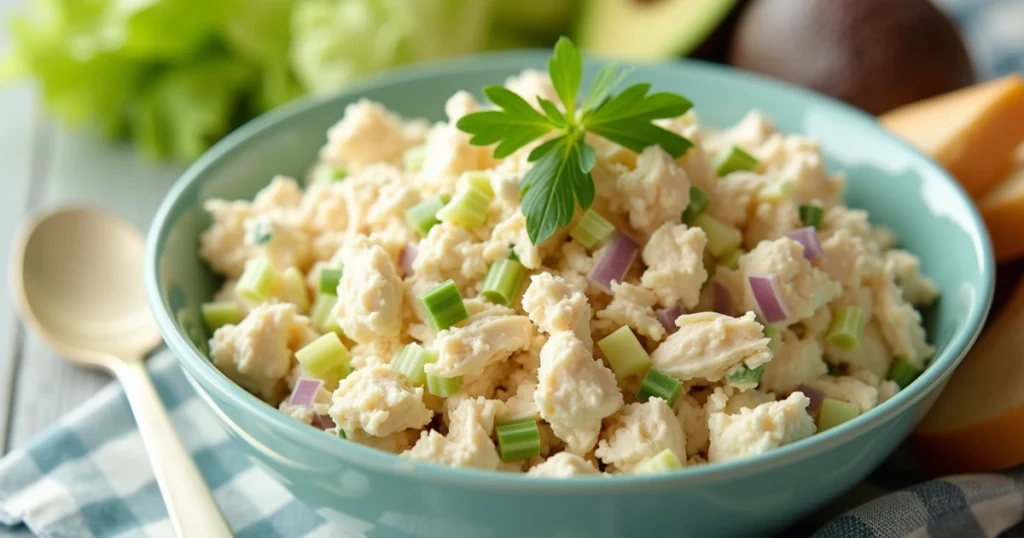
x=76, y=275
x=81, y=285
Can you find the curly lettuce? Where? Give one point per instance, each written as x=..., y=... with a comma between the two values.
x=336, y=42
x=174, y=76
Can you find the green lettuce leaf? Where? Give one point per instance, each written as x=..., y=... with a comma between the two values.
x=335, y=42
x=176, y=75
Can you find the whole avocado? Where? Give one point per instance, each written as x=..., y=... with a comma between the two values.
x=874, y=54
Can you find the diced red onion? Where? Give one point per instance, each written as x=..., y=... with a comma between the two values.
x=769, y=300
x=407, y=257
x=305, y=391
x=814, y=395
x=615, y=262
x=323, y=422
x=808, y=237
x=668, y=317
x=722, y=299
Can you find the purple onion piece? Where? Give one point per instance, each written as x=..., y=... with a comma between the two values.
x=323, y=422
x=668, y=317
x=814, y=395
x=769, y=300
x=407, y=257
x=305, y=391
x=615, y=263
x=722, y=299
x=808, y=238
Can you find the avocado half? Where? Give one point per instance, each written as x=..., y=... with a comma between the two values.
x=648, y=29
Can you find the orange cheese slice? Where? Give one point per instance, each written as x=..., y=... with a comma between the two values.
x=972, y=132
x=977, y=424
x=1003, y=210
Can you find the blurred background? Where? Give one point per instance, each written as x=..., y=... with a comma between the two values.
x=173, y=76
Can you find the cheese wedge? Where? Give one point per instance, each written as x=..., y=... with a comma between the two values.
x=1003, y=211
x=977, y=424
x=971, y=132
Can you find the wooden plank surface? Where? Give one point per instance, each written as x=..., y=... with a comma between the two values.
x=81, y=169
x=19, y=140
x=21, y=151
x=45, y=166
x=17, y=144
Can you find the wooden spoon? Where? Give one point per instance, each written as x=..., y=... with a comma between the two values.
x=76, y=276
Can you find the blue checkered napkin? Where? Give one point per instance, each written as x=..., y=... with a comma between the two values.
x=89, y=475
x=994, y=32
x=964, y=506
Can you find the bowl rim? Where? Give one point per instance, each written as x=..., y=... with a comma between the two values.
x=204, y=373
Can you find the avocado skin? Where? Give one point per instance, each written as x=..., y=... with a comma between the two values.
x=874, y=54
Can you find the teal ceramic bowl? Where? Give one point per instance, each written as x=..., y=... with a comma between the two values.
x=381, y=495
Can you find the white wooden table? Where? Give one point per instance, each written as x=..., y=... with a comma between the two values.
x=42, y=166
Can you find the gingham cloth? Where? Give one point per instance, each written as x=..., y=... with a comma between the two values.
x=89, y=476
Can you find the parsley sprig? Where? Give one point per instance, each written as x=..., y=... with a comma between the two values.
x=560, y=177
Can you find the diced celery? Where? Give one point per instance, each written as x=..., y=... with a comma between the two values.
x=501, y=286
x=257, y=280
x=410, y=361
x=722, y=238
x=325, y=358
x=778, y=191
x=699, y=200
x=745, y=376
x=321, y=315
x=835, y=412
x=443, y=306
x=846, y=329
x=902, y=372
x=332, y=326
x=329, y=279
x=664, y=461
x=327, y=172
x=657, y=384
x=423, y=216
x=217, y=315
x=732, y=259
x=734, y=159
x=519, y=439
x=468, y=208
x=477, y=180
x=624, y=352
x=774, y=338
x=443, y=386
x=414, y=157
x=295, y=290
x=810, y=215
x=591, y=229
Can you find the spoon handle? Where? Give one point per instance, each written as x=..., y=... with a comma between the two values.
x=190, y=504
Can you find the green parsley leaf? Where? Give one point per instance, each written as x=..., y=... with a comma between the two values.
x=607, y=78
x=554, y=185
x=560, y=178
x=554, y=115
x=543, y=149
x=566, y=70
x=626, y=119
x=514, y=126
